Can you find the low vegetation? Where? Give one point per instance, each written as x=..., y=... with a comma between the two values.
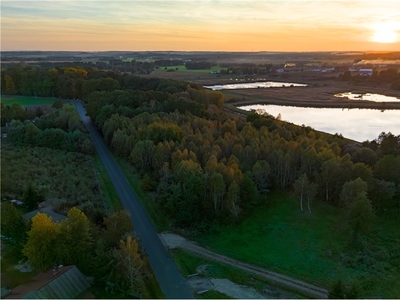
x=314, y=248
x=65, y=179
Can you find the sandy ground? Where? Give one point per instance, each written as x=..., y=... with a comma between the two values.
x=175, y=241
x=202, y=283
x=226, y=287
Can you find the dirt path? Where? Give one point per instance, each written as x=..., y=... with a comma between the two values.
x=226, y=287
x=175, y=241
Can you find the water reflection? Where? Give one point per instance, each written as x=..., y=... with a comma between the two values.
x=253, y=85
x=368, y=97
x=356, y=124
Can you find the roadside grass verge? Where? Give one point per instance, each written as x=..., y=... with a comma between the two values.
x=159, y=221
x=113, y=202
x=26, y=101
x=151, y=288
x=310, y=247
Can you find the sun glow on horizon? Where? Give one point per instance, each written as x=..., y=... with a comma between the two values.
x=385, y=32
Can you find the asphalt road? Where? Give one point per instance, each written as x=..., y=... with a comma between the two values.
x=168, y=276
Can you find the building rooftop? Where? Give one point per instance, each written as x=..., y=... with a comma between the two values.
x=64, y=283
x=48, y=211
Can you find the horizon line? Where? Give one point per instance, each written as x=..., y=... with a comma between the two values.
x=224, y=51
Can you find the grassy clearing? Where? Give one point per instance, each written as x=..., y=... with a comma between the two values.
x=25, y=100
x=106, y=186
x=278, y=236
x=159, y=221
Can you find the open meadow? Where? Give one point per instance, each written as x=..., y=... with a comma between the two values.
x=313, y=247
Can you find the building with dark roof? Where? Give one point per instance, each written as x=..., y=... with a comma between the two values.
x=48, y=211
x=63, y=283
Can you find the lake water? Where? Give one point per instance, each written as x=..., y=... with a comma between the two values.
x=253, y=85
x=368, y=97
x=356, y=124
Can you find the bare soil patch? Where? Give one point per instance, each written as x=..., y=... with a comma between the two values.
x=226, y=287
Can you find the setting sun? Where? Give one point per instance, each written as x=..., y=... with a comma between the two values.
x=385, y=33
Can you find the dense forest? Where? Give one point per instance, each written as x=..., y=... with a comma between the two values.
x=199, y=159
x=205, y=165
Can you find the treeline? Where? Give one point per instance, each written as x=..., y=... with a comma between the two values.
x=199, y=65
x=60, y=129
x=391, y=76
x=168, y=62
x=14, y=111
x=246, y=68
x=77, y=82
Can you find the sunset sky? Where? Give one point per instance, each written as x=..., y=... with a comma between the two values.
x=206, y=25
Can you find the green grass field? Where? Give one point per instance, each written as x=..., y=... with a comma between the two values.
x=188, y=263
x=25, y=100
x=311, y=247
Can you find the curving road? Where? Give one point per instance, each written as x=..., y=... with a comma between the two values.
x=168, y=276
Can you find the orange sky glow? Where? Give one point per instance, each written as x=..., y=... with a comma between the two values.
x=202, y=25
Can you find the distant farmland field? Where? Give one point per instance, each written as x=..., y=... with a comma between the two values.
x=25, y=101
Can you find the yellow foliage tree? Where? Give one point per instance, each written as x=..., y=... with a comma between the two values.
x=76, y=238
x=41, y=244
x=129, y=268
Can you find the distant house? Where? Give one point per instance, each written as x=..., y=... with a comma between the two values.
x=327, y=70
x=366, y=72
x=48, y=211
x=63, y=283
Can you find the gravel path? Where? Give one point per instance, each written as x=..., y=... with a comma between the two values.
x=175, y=241
x=226, y=287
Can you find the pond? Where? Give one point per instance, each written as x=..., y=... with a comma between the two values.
x=356, y=124
x=368, y=97
x=254, y=85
